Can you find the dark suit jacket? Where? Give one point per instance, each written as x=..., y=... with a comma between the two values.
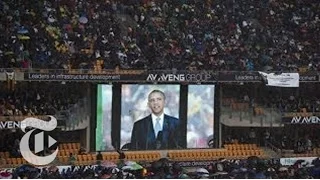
x=143, y=136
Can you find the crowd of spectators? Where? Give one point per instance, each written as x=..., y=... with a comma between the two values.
x=164, y=34
x=293, y=100
x=33, y=99
x=56, y=34
x=164, y=169
x=280, y=99
x=38, y=98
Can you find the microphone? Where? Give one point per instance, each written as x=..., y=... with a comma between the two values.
x=159, y=140
x=147, y=141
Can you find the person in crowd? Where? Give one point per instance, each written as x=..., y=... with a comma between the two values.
x=99, y=157
x=72, y=159
x=82, y=151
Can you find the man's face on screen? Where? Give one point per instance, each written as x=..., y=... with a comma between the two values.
x=156, y=103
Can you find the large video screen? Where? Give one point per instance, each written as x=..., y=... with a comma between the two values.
x=150, y=117
x=104, y=112
x=200, y=124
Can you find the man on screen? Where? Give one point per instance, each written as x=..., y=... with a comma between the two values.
x=158, y=130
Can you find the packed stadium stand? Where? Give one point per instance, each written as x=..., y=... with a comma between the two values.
x=221, y=35
x=87, y=62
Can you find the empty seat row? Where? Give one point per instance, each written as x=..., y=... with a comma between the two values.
x=196, y=154
x=69, y=146
x=15, y=161
x=213, y=154
x=66, y=152
x=143, y=156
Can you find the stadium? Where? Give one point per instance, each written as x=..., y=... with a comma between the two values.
x=177, y=89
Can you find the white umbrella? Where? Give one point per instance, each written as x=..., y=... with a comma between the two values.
x=202, y=170
x=126, y=168
x=51, y=19
x=83, y=20
x=220, y=173
x=115, y=170
x=283, y=169
x=131, y=165
x=108, y=164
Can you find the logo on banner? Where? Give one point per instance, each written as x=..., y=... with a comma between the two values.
x=305, y=120
x=179, y=77
x=26, y=153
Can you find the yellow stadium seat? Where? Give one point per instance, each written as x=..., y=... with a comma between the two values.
x=75, y=146
x=14, y=161
x=64, y=146
x=88, y=158
x=139, y=156
x=228, y=153
x=133, y=156
x=67, y=151
x=60, y=147
x=80, y=158
x=2, y=155
x=84, y=157
x=19, y=161
x=65, y=159
x=69, y=145
x=9, y=161
x=23, y=161
x=63, y=153
x=155, y=156
x=107, y=157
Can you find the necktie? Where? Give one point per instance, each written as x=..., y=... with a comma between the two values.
x=157, y=127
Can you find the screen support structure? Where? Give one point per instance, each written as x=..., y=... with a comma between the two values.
x=183, y=115
x=93, y=117
x=116, y=115
x=217, y=121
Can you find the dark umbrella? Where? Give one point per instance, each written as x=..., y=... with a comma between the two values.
x=164, y=162
x=253, y=158
x=156, y=165
x=316, y=162
x=28, y=171
x=252, y=161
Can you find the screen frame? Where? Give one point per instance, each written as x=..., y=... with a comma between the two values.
x=116, y=112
